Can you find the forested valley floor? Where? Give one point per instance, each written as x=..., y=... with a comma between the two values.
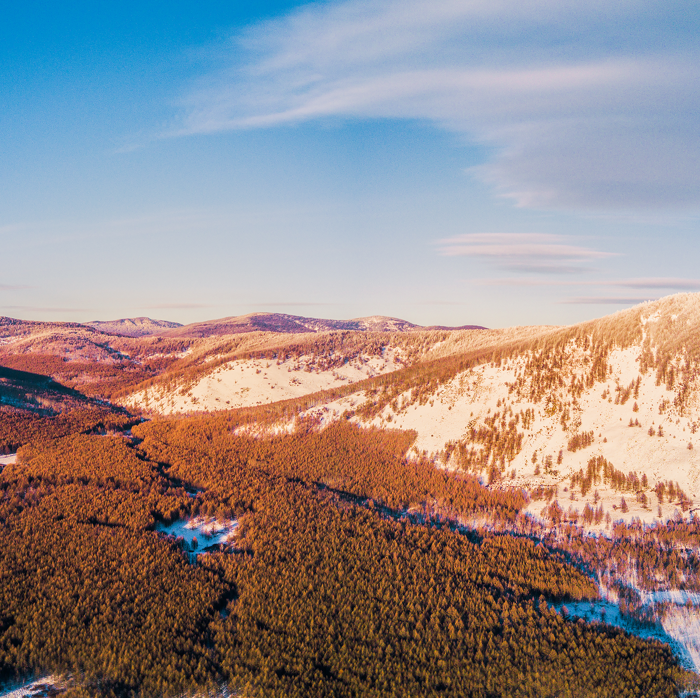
x=352, y=572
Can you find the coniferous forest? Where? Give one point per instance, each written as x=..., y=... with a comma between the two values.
x=475, y=475
x=349, y=574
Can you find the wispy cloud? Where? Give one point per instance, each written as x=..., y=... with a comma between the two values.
x=608, y=300
x=13, y=287
x=166, y=222
x=656, y=283
x=179, y=306
x=288, y=304
x=441, y=303
x=666, y=283
x=526, y=252
x=46, y=309
x=586, y=105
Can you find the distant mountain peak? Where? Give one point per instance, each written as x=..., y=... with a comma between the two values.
x=133, y=327
x=382, y=323
x=291, y=324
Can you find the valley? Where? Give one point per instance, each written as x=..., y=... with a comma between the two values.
x=353, y=507
x=636, y=419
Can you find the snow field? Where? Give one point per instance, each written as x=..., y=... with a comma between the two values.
x=473, y=395
x=250, y=382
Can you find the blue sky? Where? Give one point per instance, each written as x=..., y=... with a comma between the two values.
x=446, y=162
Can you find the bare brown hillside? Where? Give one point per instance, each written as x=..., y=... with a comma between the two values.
x=112, y=360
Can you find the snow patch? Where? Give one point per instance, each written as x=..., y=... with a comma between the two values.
x=208, y=531
x=684, y=645
x=250, y=382
x=470, y=397
x=38, y=688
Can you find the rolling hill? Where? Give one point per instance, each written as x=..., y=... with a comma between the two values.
x=607, y=403
x=435, y=488
x=133, y=327
x=526, y=407
x=295, y=324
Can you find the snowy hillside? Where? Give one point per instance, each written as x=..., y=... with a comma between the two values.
x=601, y=418
x=620, y=394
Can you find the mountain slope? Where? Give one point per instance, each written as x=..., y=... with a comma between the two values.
x=296, y=324
x=602, y=403
x=133, y=327
x=102, y=360
x=561, y=411
x=258, y=368
x=622, y=390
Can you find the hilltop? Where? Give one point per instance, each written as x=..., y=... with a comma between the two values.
x=133, y=327
x=296, y=324
x=423, y=483
x=109, y=359
x=606, y=403
x=525, y=407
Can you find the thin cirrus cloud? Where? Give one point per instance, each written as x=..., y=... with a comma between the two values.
x=656, y=283
x=664, y=283
x=657, y=287
x=608, y=300
x=44, y=309
x=179, y=306
x=290, y=304
x=584, y=105
x=539, y=253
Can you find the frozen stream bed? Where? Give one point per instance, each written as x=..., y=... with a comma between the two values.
x=676, y=621
x=207, y=531
x=45, y=687
x=7, y=459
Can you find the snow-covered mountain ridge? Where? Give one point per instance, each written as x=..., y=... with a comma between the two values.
x=588, y=415
x=617, y=396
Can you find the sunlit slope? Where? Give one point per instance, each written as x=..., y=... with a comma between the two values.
x=97, y=363
x=623, y=388
x=257, y=368
x=108, y=359
x=530, y=407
